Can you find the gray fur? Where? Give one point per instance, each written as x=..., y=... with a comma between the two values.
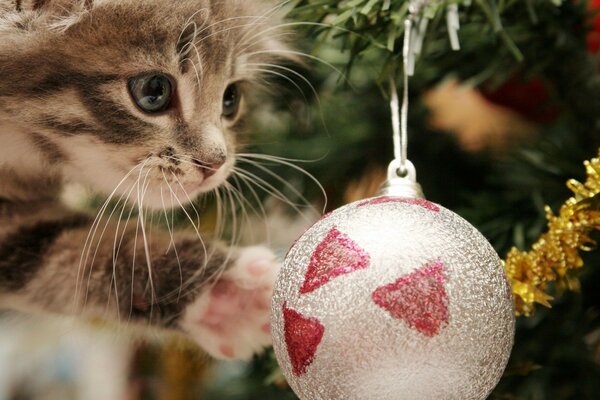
x=66, y=116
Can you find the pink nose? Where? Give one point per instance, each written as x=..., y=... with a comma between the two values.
x=208, y=169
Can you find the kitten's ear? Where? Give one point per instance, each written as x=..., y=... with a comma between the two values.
x=53, y=5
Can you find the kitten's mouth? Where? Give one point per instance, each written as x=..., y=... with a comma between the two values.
x=175, y=187
x=203, y=182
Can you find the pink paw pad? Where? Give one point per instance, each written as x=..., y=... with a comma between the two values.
x=266, y=328
x=227, y=351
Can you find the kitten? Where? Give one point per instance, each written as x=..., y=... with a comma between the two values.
x=142, y=100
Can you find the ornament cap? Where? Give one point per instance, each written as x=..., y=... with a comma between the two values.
x=402, y=186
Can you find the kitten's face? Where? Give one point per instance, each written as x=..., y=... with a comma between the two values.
x=143, y=97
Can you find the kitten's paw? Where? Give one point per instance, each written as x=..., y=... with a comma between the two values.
x=231, y=319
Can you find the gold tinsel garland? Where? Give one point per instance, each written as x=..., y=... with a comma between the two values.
x=556, y=252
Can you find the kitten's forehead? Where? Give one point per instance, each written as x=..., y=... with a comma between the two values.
x=155, y=33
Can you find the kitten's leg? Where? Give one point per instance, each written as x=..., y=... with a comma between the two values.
x=219, y=296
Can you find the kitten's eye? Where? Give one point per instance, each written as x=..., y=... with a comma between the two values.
x=152, y=93
x=231, y=101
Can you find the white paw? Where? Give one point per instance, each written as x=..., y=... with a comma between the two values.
x=231, y=319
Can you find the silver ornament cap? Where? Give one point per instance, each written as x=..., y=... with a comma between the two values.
x=392, y=298
x=402, y=185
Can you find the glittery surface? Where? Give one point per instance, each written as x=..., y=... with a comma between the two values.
x=302, y=337
x=365, y=353
x=418, y=298
x=390, y=199
x=336, y=255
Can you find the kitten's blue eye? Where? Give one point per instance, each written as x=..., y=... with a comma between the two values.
x=231, y=101
x=152, y=93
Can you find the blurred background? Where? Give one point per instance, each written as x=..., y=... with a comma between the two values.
x=496, y=130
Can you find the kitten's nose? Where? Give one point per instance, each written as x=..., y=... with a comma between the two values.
x=209, y=169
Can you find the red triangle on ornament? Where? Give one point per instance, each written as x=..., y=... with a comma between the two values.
x=336, y=255
x=420, y=299
x=302, y=338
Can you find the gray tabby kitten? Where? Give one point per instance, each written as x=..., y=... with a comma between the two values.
x=142, y=100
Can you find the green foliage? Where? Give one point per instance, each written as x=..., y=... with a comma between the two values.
x=362, y=26
x=347, y=132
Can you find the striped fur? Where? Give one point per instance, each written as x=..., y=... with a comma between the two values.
x=66, y=116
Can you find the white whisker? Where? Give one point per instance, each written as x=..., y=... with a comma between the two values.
x=196, y=229
x=285, y=183
x=309, y=56
x=115, y=252
x=238, y=179
x=91, y=233
x=273, y=191
x=287, y=78
x=280, y=160
x=142, y=223
x=172, y=243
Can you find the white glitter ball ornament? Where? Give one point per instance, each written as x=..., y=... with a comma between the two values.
x=392, y=298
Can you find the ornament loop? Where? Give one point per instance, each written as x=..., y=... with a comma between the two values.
x=402, y=185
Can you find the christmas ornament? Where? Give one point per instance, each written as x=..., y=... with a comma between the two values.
x=557, y=251
x=393, y=297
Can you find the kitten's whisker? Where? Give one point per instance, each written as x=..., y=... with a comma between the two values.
x=241, y=203
x=266, y=15
x=192, y=45
x=191, y=162
x=133, y=259
x=134, y=255
x=185, y=50
x=99, y=243
x=234, y=234
x=276, y=159
x=185, y=53
x=285, y=183
x=200, y=270
x=219, y=230
x=172, y=243
x=198, y=79
x=240, y=179
x=92, y=233
x=187, y=24
x=196, y=228
x=302, y=54
x=118, y=250
x=248, y=45
x=264, y=185
x=142, y=220
x=287, y=78
x=188, y=216
x=231, y=28
x=270, y=189
x=281, y=67
x=190, y=201
x=245, y=156
x=222, y=21
x=237, y=191
x=115, y=252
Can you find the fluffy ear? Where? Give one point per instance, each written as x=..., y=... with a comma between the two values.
x=59, y=6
